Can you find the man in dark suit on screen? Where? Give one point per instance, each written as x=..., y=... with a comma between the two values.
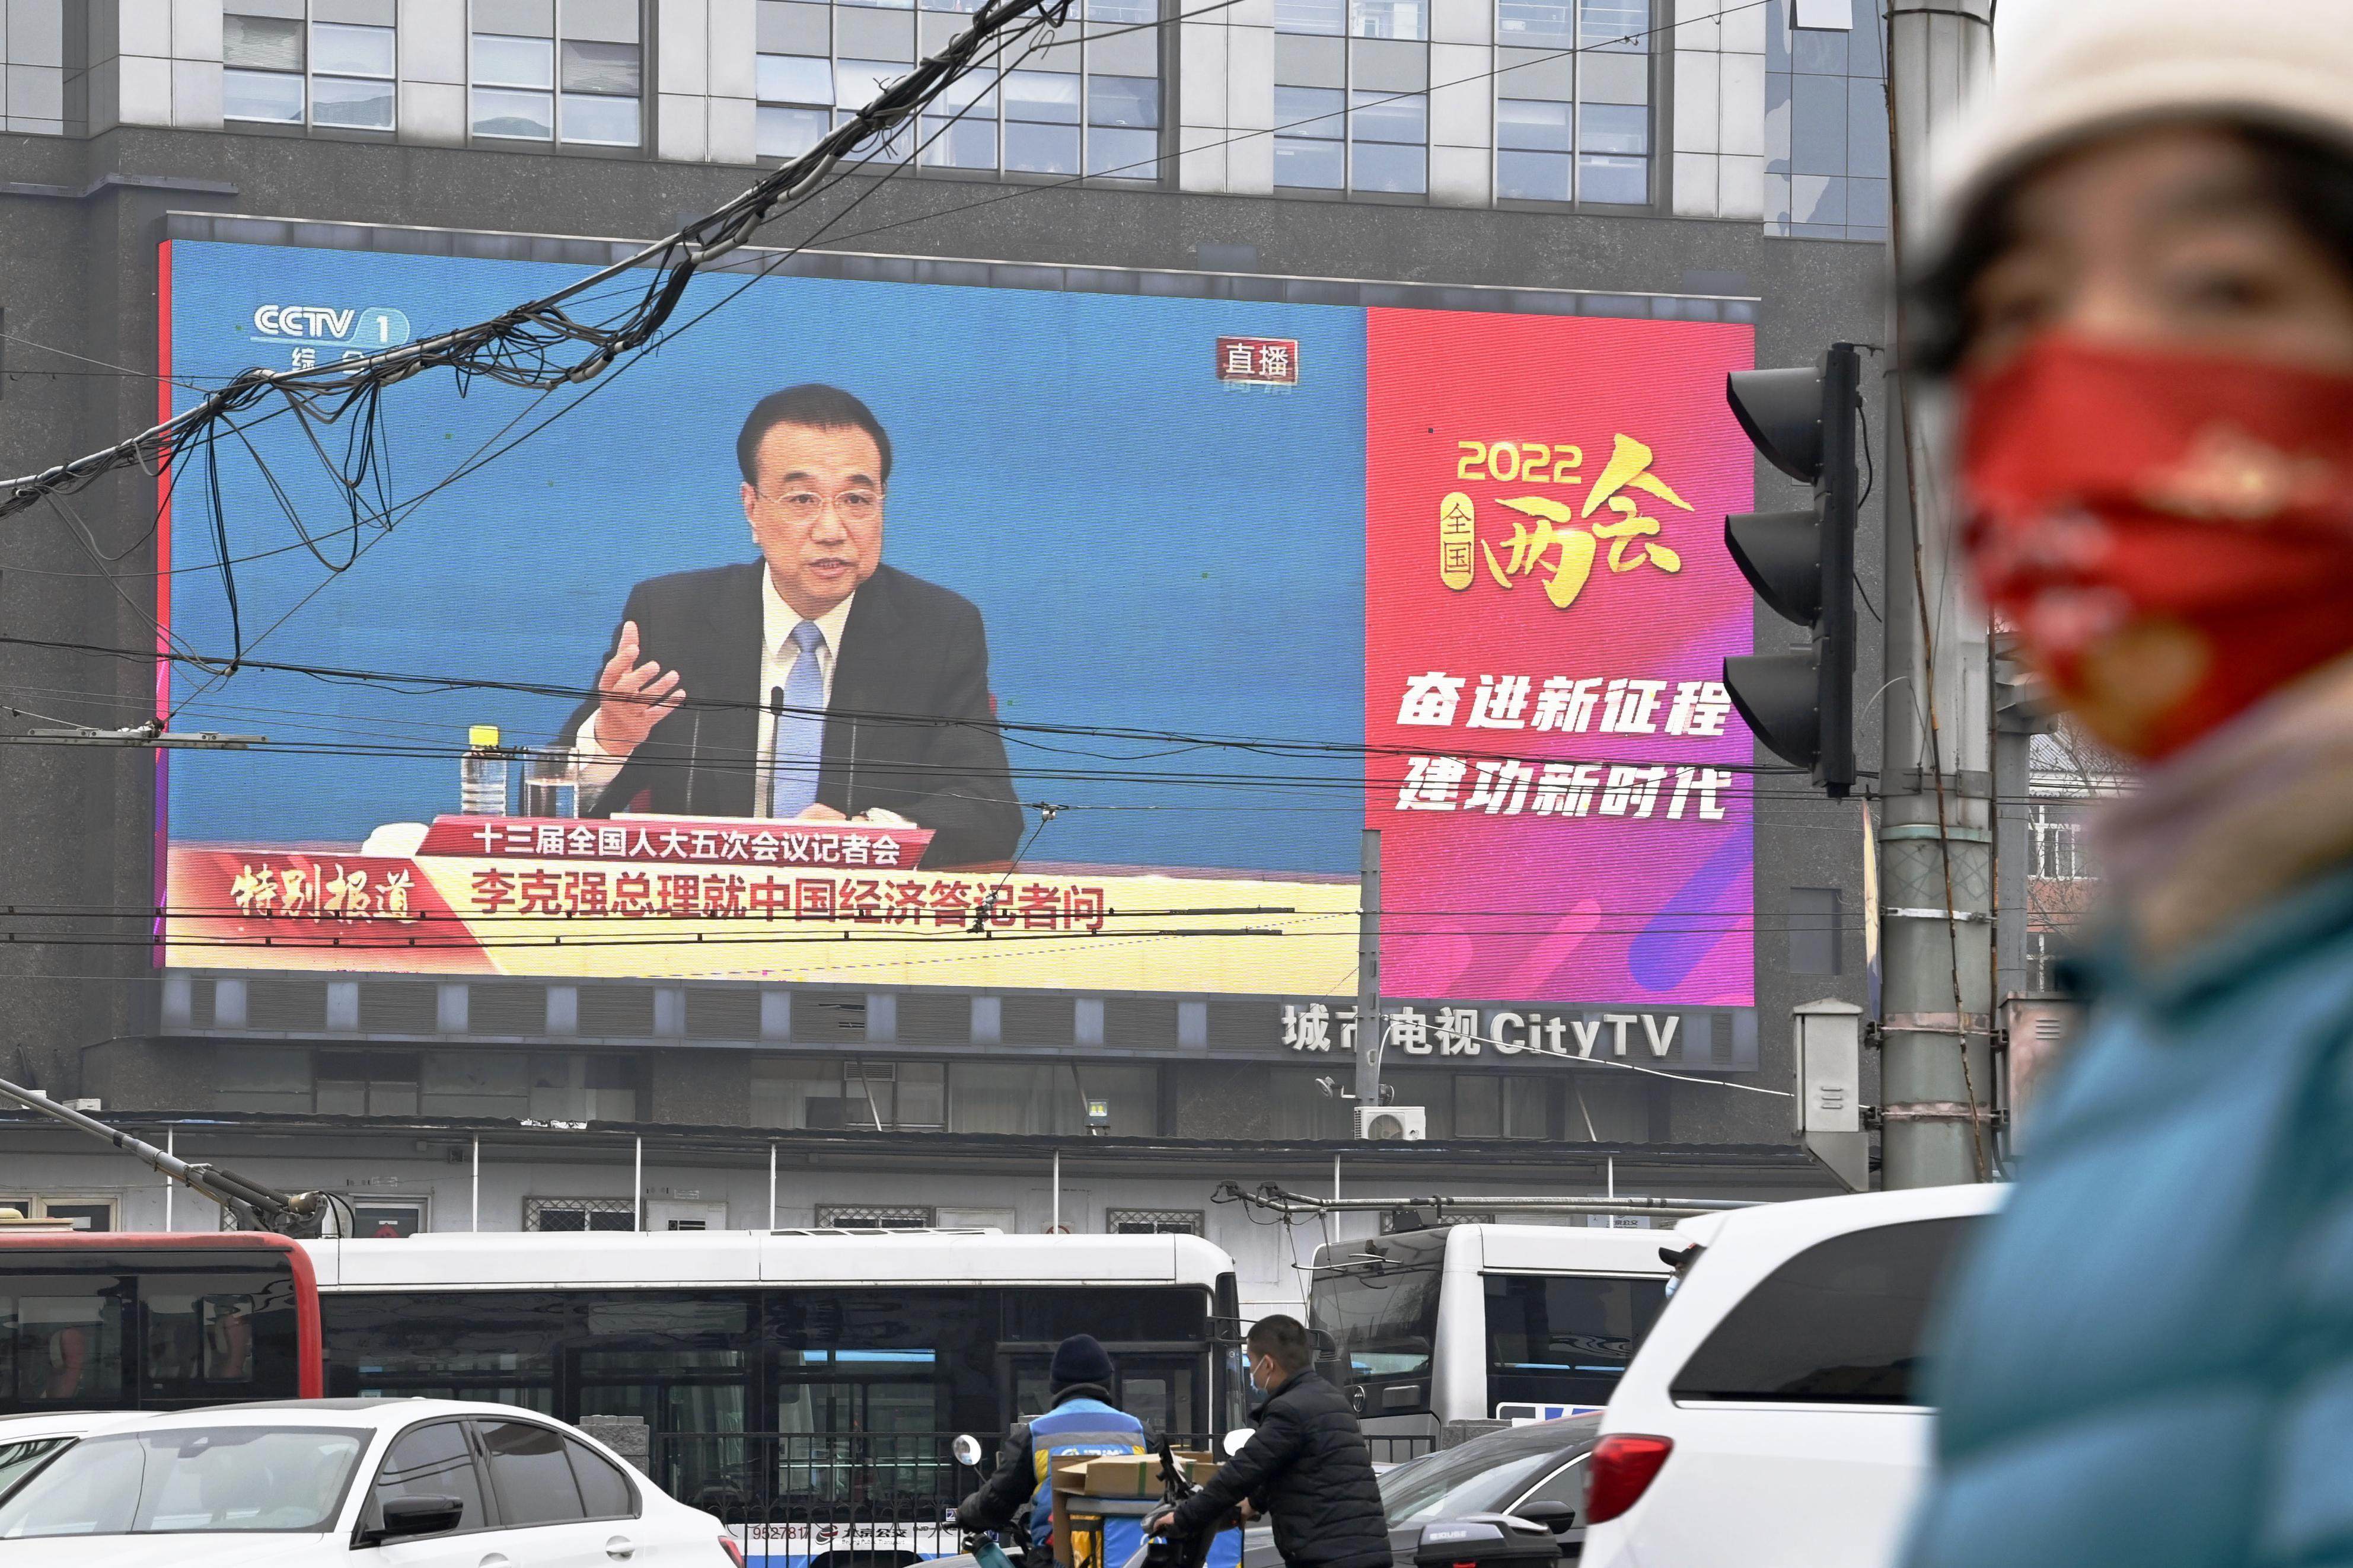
x=815, y=684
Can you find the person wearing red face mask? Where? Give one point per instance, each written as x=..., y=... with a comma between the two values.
x=2140, y=301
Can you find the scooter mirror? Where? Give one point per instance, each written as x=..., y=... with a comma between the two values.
x=1234, y=1442
x=966, y=1449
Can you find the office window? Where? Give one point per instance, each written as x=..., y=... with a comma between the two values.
x=579, y=1214
x=1088, y=104
x=575, y=1086
x=263, y=1078
x=1351, y=96
x=1324, y=17
x=1389, y=142
x=1153, y=1222
x=876, y=1216
x=571, y=73
x=1050, y=1097
x=2055, y=843
x=1814, y=936
x=367, y=1083
x=1573, y=110
x=1312, y=154
x=1826, y=155
x=1498, y=1105
x=387, y=1218
x=1389, y=18
x=849, y=1094
x=281, y=68
x=2042, y=953
x=1534, y=149
x=476, y=1083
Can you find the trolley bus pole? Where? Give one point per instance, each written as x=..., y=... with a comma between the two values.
x=252, y=1205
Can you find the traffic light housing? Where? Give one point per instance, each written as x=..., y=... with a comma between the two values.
x=1801, y=563
x=2022, y=704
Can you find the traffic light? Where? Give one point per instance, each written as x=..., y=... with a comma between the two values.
x=2022, y=704
x=1801, y=563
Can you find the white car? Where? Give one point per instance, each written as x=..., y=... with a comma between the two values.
x=1770, y=1419
x=357, y=1483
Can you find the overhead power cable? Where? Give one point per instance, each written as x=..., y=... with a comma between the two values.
x=527, y=345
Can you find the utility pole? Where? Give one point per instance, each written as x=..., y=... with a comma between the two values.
x=1370, y=1035
x=1936, y=810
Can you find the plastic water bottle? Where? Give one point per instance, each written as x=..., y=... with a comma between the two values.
x=482, y=773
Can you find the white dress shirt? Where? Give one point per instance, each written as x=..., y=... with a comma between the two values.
x=778, y=656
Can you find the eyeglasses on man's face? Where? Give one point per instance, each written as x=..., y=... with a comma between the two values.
x=804, y=506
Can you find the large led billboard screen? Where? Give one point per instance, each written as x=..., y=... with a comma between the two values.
x=1223, y=581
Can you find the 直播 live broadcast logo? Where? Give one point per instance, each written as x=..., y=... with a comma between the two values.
x=1561, y=544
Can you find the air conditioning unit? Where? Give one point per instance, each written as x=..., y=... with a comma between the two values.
x=1392, y=1124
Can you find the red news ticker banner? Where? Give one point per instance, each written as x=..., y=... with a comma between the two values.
x=1560, y=785
x=689, y=898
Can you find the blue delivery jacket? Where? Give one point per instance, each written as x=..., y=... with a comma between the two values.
x=2148, y=1362
x=1082, y=1422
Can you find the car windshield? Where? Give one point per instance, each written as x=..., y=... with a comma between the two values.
x=189, y=1479
x=21, y=1458
x=1469, y=1479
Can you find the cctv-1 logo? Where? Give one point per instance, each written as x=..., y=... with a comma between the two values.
x=366, y=329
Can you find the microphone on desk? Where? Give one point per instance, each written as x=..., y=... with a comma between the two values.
x=776, y=717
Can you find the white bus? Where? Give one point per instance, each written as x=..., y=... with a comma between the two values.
x=1471, y=1322
x=804, y=1386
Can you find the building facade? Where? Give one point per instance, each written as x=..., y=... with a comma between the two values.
x=1662, y=159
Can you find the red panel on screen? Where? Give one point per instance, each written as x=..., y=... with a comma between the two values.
x=1562, y=793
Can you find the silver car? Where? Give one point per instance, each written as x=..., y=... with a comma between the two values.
x=1536, y=1471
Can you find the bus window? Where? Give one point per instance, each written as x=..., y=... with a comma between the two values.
x=496, y=1345
x=1563, y=1339
x=63, y=1334
x=229, y=1335
x=110, y=1323
x=1385, y=1320
x=1050, y=1317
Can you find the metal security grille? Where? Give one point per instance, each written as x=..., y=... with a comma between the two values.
x=854, y=1500
x=1153, y=1222
x=578, y=1213
x=876, y=1216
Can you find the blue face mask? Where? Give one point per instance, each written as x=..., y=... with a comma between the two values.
x=1258, y=1396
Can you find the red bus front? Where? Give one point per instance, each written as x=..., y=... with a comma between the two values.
x=107, y=1321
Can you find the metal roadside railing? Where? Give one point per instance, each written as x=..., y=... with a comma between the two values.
x=828, y=1500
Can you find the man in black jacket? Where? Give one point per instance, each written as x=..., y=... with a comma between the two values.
x=1306, y=1467
x=816, y=683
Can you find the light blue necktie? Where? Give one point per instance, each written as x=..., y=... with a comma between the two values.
x=800, y=728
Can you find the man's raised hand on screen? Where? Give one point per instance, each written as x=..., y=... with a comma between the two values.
x=632, y=697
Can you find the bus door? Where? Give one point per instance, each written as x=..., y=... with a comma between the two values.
x=683, y=1365
x=1164, y=1391
x=865, y=1383
x=1023, y=1386
x=1165, y=1388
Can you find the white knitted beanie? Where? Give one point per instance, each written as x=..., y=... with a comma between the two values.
x=2090, y=67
